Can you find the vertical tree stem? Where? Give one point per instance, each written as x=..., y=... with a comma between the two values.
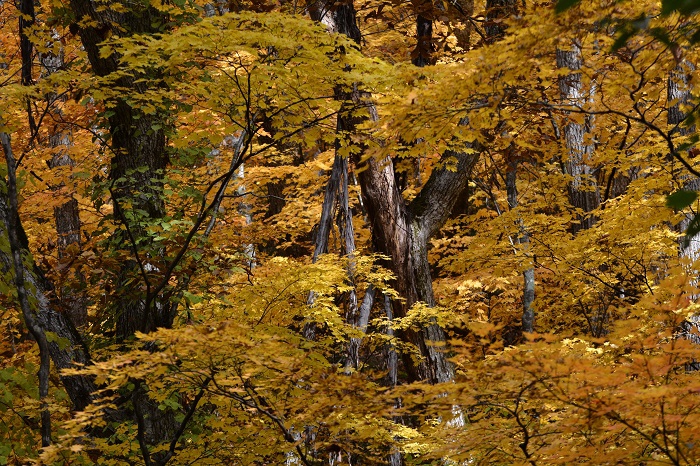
x=32, y=324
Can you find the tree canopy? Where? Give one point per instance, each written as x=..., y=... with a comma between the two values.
x=349, y=232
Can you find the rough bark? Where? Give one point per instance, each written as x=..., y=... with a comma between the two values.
x=137, y=169
x=679, y=95
x=72, y=298
x=71, y=352
x=323, y=230
x=583, y=190
x=340, y=18
x=422, y=54
x=138, y=163
x=523, y=239
x=22, y=296
x=337, y=201
x=402, y=232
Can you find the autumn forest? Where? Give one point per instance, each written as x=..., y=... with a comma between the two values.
x=349, y=232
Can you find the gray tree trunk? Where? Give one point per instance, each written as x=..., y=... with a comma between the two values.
x=679, y=94
x=523, y=238
x=583, y=190
x=72, y=297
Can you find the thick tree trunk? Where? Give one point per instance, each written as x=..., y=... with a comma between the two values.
x=138, y=165
x=679, y=94
x=422, y=55
x=583, y=190
x=402, y=233
x=72, y=298
x=71, y=351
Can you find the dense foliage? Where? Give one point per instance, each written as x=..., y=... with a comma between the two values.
x=337, y=232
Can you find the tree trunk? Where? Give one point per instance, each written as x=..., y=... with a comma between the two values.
x=138, y=165
x=30, y=320
x=71, y=351
x=523, y=238
x=583, y=190
x=422, y=55
x=72, y=298
x=323, y=230
x=679, y=93
x=402, y=231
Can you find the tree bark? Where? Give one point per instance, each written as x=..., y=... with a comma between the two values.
x=422, y=54
x=323, y=230
x=583, y=190
x=679, y=93
x=137, y=170
x=72, y=298
x=71, y=351
x=138, y=165
x=22, y=296
x=523, y=239
x=402, y=232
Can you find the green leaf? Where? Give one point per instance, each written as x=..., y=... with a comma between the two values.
x=563, y=5
x=191, y=298
x=622, y=39
x=684, y=7
x=681, y=199
x=62, y=343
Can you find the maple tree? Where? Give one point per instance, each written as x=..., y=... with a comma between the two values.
x=369, y=232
